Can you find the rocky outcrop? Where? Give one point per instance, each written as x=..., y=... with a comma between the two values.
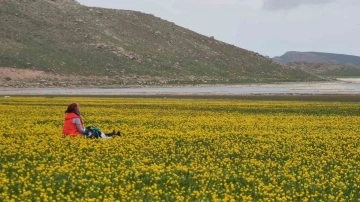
x=65, y=1
x=119, y=51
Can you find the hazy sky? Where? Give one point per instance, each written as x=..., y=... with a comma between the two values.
x=269, y=27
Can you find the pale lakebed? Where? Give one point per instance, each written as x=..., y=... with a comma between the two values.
x=341, y=87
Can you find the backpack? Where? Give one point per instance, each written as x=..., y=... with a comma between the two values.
x=92, y=132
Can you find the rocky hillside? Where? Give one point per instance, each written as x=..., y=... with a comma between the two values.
x=334, y=70
x=63, y=39
x=316, y=57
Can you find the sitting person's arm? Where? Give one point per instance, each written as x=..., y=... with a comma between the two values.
x=79, y=126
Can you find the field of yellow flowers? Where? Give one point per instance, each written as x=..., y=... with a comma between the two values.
x=180, y=150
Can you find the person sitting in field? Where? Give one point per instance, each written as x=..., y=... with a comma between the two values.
x=74, y=126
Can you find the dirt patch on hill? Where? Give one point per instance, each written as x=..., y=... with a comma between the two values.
x=14, y=74
x=28, y=78
x=23, y=78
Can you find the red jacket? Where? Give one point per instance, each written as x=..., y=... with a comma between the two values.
x=69, y=127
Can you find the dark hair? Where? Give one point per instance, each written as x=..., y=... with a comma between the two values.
x=73, y=108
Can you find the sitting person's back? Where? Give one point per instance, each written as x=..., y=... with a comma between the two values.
x=73, y=124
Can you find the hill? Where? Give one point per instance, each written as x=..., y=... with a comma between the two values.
x=317, y=57
x=334, y=70
x=71, y=44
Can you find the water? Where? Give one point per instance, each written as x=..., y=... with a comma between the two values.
x=342, y=87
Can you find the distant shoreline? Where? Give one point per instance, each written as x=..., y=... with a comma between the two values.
x=339, y=80
x=305, y=98
x=317, y=91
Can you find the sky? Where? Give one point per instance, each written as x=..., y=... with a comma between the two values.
x=268, y=27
